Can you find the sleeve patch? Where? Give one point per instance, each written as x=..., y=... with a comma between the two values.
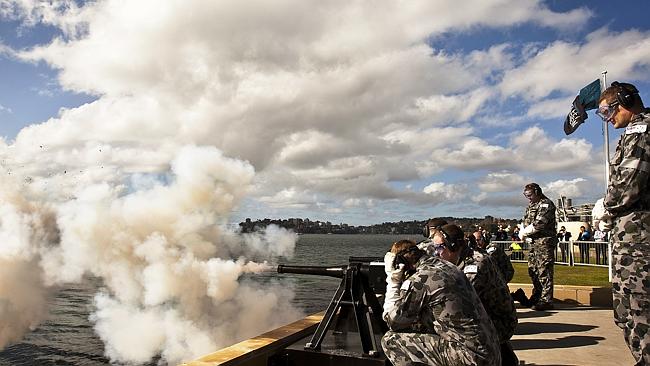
x=472, y=268
x=636, y=129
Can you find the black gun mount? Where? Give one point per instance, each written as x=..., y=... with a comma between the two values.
x=361, y=281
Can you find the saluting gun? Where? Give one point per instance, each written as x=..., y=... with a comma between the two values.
x=361, y=281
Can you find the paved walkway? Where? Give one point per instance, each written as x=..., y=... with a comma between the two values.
x=569, y=335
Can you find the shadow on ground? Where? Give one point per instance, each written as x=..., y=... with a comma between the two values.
x=564, y=342
x=539, y=364
x=536, y=328
x=533, y=314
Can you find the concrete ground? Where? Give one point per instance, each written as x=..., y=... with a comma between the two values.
x=569, y=335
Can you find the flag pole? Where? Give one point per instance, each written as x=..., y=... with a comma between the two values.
x=606, y=135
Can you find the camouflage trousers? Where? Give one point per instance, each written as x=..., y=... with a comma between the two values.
x=403, y=348
x=541, y=260
x=631, y=295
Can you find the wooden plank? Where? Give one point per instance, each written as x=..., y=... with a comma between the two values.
x=265, y=344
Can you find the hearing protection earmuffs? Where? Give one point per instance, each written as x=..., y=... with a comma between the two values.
x=400, y=258
x=426, y=230
x=537, y=190
x=451, y=243
x=625, y=94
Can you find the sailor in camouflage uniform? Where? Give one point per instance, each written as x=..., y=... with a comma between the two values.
x=626, y=211
x=488, y=283
x=429, y=230
x=539, y=228
x=499, y=257
x=435, y=316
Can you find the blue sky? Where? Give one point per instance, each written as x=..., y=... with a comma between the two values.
x=351, y=113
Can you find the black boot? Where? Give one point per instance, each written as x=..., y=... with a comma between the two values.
x=520, y=296
x=542, y=306
x=508, y=356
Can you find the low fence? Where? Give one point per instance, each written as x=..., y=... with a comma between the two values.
x=572, y=253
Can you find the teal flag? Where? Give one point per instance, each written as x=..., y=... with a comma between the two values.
x=585, y=100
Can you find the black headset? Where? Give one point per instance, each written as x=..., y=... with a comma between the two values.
x=426, y=230
x=451, y=244
x=400, y=258
x=625, y=94
x=537, y=190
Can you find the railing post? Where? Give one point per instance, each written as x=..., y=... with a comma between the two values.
x=571, y=253
x=609, y=257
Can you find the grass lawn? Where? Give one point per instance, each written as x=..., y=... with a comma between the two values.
x=565, y=275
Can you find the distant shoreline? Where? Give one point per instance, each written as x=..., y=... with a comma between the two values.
x=307, y=226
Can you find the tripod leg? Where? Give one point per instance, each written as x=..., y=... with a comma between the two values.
x=335, y=304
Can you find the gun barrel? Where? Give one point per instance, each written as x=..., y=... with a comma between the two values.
x=365, y=259
x=336, y=271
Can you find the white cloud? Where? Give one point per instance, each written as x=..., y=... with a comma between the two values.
x=574, y=188
x=4, y=109
x=531, y=151
x=501, y=201
x=317, y=99
x=445, y=192
x=502, y=182
x=291, y=198
x=546, y=71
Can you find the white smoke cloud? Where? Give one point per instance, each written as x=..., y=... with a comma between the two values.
x=172, y=268
x=23, y=299
x=25, y=230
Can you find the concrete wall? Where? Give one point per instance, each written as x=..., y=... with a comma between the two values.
x=579, y=295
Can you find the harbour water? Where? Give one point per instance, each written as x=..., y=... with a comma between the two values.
x=67, y=337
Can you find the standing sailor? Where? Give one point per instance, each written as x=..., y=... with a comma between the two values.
x=625, y=211
x=539, y=230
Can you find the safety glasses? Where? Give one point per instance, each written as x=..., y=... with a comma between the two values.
x=607, y=112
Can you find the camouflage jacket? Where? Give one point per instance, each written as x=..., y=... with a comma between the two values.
x=492, y=290
x=502, y=261
x=439, y=299
x=542, y=215
x=628, y=187
x=427, y=246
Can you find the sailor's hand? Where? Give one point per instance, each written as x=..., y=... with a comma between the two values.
x=389, y=262
x=605, y=225
x=394, y=278
x=397, y=274
x=598, y=211
x=527, y=231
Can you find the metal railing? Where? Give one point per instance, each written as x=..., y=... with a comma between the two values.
x=571, y=253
